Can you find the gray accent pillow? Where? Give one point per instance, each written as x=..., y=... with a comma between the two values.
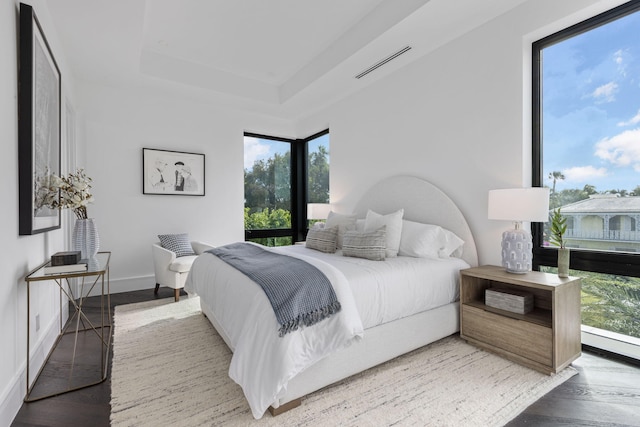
x=368, y=244
x=178, y=243
x=322, y=239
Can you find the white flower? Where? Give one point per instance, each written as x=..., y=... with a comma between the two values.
x=66, y=192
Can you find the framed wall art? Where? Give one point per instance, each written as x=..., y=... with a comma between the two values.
x=39, y=125
x=172, y=172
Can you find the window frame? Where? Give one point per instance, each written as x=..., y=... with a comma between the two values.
x=298, y=179
x=627, y=264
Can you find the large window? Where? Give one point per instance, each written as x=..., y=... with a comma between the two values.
x=586, y=149
x=280, y=177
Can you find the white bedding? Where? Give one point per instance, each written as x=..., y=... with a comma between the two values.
x=262, y=362
x=370, y=292
x=396, y=287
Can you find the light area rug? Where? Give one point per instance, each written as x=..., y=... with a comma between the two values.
x=170, y=368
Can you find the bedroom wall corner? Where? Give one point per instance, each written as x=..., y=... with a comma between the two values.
x=119, y=122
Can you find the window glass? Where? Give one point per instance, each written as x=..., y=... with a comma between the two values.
x=267, y=184
x=318, y=170
x=609, y=302
x=590, y=132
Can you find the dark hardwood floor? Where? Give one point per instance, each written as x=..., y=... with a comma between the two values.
x=606, y=392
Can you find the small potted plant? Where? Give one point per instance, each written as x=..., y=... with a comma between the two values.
x=558, y=228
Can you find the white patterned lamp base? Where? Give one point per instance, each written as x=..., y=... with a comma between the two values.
x=517, y=250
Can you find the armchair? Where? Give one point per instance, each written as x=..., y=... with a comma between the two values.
x=172, y=271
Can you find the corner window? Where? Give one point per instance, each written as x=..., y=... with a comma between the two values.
x=586, y=149
x=280, y=177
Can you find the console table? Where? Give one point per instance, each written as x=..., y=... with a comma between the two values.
x=76, y=291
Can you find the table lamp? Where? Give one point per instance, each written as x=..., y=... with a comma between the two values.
x=517, y=205
x=318, y=210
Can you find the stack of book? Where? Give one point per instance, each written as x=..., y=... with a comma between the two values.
x=65, y=262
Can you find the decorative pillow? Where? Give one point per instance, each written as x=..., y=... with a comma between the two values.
x=393, y=224
x=178, y=243
x=343, y=222
x=322, y=239
x=428, y=241
x=368, y=244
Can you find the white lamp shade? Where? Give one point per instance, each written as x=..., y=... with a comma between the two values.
x=519, y=204
x=318, y=210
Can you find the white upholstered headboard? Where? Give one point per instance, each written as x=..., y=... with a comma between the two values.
x=422, y=202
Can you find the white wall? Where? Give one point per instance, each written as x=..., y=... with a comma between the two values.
x=21, y=254
x=119, y=123
x=458, y=117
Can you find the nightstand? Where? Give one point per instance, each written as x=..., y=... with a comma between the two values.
x=546, y=339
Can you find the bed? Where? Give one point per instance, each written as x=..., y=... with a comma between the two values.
x=276, y=372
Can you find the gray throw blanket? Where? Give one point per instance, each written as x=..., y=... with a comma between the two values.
x=300, y=294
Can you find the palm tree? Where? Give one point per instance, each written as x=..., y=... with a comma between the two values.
x=555, y=176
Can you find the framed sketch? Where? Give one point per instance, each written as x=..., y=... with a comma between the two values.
x=172, y=172
x=39, y=125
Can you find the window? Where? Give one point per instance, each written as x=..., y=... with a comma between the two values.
x=280, y=176
x=586, y=149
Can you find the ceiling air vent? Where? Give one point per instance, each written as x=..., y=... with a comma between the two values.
x=384, y=61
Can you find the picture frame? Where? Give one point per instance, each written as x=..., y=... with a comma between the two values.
x=176, y=173
x=39, y=125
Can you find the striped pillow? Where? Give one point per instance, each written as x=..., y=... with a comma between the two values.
x=178, y=243
x=369, y=244
x=322, y=239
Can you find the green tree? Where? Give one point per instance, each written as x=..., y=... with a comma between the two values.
x=318, y=173
x=268, y=184
x=555, y=176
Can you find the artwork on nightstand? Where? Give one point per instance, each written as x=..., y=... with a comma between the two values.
x=39, y=122
x=172, y=172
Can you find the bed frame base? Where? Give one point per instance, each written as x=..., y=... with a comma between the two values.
x=286, y=407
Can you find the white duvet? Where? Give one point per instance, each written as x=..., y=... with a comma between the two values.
x=262, y=362
x=370, y=292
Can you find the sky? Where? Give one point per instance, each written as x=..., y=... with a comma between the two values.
x=262, y=149
x=591, y=108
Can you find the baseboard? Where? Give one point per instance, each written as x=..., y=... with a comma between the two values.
x=611, y=342
x=126, y=285
x=13, y=395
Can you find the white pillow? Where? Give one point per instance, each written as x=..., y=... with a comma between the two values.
x=393, y=224
x=421, y=240
x=428, y=241
x=343, y=222
x=453, y=245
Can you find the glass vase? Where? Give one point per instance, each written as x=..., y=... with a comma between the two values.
x=563, y=262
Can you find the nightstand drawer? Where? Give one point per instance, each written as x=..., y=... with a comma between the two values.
x=522, y=338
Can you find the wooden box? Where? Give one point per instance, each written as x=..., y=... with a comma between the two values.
x=512, y=300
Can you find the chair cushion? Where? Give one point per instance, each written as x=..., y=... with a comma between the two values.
x=182, y=264
x=178, y=243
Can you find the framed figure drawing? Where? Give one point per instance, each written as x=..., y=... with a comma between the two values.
x=172, y=172
x=39, y=123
